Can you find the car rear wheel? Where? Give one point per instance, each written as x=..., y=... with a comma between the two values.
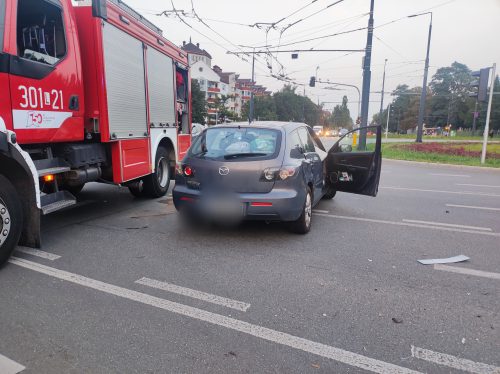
x=303, y=224
x=156, y=184
x=11, y=219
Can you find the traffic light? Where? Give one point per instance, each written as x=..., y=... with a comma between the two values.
x=312, y=82
x=481, y=83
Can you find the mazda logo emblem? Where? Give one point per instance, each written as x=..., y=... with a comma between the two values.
x=223, y=170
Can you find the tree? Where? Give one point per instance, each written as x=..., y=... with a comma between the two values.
x=292, y=107
x=198, y=103
x=451, y=103
x=264, y=109
x=341, y=116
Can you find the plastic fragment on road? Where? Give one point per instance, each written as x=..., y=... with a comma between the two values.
x=448, y=260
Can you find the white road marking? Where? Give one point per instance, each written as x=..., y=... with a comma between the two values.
x=38, y=253
x=450, y=175
x=459, y=270
x=321, y=211
x=7, y=366
x=278, y=337
x=214, y=299
x=409, y=224
x=473, y=207
x=477, y=185
x=448, y=225
x=441, y=191
x=453, y=362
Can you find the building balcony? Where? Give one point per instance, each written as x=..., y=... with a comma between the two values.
x=213, y=89
x=211, y=111
x=245, y=97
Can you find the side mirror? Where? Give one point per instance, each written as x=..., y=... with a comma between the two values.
x=345, y=148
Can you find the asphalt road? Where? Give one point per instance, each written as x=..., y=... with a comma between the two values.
x=136, y=290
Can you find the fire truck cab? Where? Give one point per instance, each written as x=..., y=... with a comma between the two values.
x=90, y=92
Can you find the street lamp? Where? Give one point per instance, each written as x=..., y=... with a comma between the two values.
x=421, y=110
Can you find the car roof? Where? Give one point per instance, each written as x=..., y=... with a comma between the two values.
x=287, y=126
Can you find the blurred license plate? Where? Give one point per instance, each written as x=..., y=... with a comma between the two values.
x=225, y=208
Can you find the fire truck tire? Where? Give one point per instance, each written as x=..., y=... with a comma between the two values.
x=11, y=219
x=156, y=184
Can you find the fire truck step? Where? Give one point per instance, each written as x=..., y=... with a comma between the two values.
x=52, y=165
x=56, y=201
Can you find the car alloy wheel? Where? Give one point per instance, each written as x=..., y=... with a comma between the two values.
x=308, y=210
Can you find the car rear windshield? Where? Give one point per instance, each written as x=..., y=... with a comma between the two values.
x=238, y=143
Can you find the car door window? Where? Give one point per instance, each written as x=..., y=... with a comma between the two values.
x=307, y=140
x=295, y=145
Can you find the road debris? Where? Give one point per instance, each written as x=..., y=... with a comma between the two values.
x=397, y=320
x=230, y=353
x=316, y=366
x=448, y=260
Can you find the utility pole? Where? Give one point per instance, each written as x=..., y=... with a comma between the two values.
x=252, y=104
x=474, y=117
x=304, y=105
x=488, y=114
x=366, y=80
x=382, y=99
x=421, y=109
x=387, y=126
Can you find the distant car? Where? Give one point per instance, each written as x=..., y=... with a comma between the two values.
x=275, y=171
x=343, y=132
x=318, y=130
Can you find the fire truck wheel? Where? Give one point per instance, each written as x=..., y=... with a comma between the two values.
x=156, y=184
x=137, y=189
x=11, y=219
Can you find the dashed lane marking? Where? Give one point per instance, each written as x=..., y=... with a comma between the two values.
x=407, y=224
x=441, y=191
x=274, y=336
x=38, y=253
x=7, y=366
x=214, y=299
x=473, y=207
x=321, y=211
x=453, y=362
x=477, y=185
x=448, y=225
x=450, y=175
x=465, y=271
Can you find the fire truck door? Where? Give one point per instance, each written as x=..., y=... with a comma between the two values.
x=45, y=78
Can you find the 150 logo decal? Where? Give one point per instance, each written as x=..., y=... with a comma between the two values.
x=34, y=98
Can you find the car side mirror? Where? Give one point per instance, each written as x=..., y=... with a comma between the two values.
x=345, y=148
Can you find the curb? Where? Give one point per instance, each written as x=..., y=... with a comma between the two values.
x=489, y=168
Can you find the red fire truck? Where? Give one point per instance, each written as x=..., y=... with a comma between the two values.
x=90, y=92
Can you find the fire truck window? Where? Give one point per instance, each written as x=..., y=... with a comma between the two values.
x=40, y=31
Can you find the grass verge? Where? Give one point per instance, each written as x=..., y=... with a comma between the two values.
x=446, y=153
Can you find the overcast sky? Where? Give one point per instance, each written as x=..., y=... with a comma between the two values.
x=467, y=31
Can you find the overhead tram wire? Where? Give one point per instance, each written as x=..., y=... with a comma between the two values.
x=202, y=34
x=388, y=46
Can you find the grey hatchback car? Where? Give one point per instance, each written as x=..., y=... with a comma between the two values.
x=273, y=171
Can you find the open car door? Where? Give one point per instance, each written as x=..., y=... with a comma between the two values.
x=351, y=169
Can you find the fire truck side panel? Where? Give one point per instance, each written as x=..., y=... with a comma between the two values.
x=46, y=84
x=90, y=38
x=131, y=158
x=125, y=83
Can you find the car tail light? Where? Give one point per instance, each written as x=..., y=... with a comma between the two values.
x=48, y=178
x=185, y=170
x=273, y=174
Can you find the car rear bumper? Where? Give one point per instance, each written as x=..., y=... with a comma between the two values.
x=277, y=205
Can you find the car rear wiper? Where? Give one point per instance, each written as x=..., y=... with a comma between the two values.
x=247, y=154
